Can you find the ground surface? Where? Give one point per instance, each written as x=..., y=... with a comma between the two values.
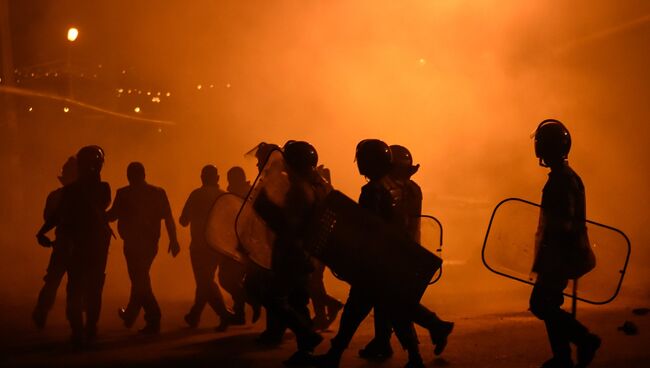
x=500, y=339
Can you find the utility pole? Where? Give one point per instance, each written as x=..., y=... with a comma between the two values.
x=11, y=138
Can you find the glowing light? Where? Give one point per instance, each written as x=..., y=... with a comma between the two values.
x=148, y=93
x=155, y=99
x=158, y=94
x=422, y=61
x=168, y=94
x=159, y=130
x=199, y=87
x=137, y=109
x=123, y=71
x=30, y=109
x=129, y=91
x=212, y=86
x=227, y=85
x=120, y=90
x=66, y=109
x=73, y=33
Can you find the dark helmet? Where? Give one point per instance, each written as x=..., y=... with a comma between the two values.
x=69, y=171
x=90, y=159
x=262, y=152
x=300, y=156
x=402, y=161
x=552, y=142
x=373, y=158
x=209, y=175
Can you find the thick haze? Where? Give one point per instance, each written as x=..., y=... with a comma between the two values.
x=463, y=84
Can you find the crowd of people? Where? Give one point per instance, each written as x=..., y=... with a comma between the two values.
x=80, y=214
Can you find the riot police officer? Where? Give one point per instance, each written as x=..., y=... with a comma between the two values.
x=290, y=265
x=562, y=249
x=57, y=266
x=81, y=217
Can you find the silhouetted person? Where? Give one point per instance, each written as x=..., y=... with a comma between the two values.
x=405, y=211
x=205, y=260
x=57, y=266
x=138, y=209
x=288, y=294
x=231, y=272
x=326, y=307
x=258, y=279
x=384, y=196
x=81, y=218
x=559, y=241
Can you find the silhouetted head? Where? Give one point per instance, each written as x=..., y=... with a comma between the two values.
x=209, y=175
x=300, y=156
x=135, y=173
x=90, y=160
x=552, y=143
x=69, y=171
x=262, y=153
x=373, y=158
x=402, y=162
x=236, y=175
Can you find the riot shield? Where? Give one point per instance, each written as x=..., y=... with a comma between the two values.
x=431, y=239
x=220, y=227
x=362, y=249
x=270, y=187
x=509, y=250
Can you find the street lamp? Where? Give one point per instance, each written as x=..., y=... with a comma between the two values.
x=73, y=33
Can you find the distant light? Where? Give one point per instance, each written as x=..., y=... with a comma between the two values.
x=422, y=61
x=158, y=94
x=199, y=87
x=227, y=85
x=66, y=109
x=120, y=90
x=99, y=66
x=129, y=91
x=32, y=75
x=139, y=92
x=137, y=109
x=212, y=86
x=159, y=130
x=123, y=71
x=155, y=99
x=148, y=93
x=30, y=109
x=73, y=33
x=168, y=94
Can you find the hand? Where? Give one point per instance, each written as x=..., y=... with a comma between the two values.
x=43, y=240
x=174, y=248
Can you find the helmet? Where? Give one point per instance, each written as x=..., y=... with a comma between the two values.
x=373, y=158
x=262, y=152
x=552, y=141
x=209, y=175
x=69, y=171
x=90, y=159
x=402, y=161
x=300, y=156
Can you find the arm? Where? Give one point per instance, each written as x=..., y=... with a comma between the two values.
x=114, y=213
x=184, y=220
x=174, y=247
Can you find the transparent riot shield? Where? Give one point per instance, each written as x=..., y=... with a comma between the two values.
x=220, y=227
x=269, y=191
x=509, y=250
x=431, y=239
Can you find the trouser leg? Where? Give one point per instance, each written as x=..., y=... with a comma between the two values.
x=231, y=278
x=356, y=309
x=562, y=328
x=55, y=270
